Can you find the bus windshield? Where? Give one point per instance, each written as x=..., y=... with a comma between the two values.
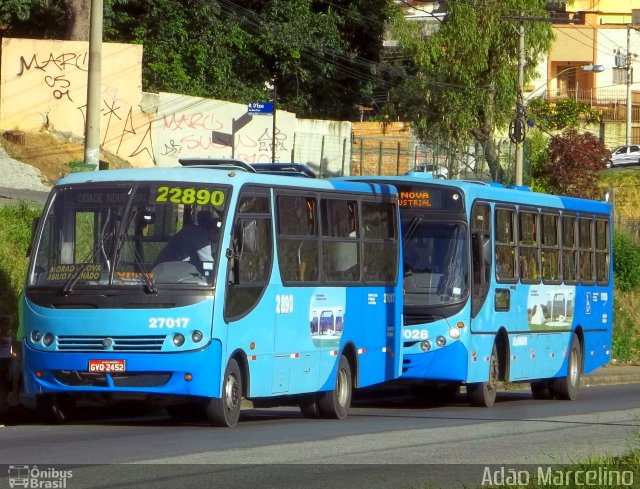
x=435, y=261
x=129, y=235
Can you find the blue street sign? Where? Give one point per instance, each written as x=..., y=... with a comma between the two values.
x=260, y=108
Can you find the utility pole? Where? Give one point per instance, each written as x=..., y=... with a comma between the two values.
x=92, y=127
x=273, y=129
x=629, y=76
x=520, y=123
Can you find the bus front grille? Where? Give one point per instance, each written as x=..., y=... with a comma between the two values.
x=76, y=378
x=111, y=343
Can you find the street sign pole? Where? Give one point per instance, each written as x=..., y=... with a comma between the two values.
x=273, y=129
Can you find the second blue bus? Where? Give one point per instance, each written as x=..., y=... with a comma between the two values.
x=502, y=284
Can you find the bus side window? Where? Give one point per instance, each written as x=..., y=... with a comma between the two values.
x=297, y=239
x=250, y=258
x=340, y=247
x=481, y=254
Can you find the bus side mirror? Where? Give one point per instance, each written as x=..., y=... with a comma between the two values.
x=248, y=237
x=34, y=226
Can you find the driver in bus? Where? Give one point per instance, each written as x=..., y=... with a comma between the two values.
x=193, y=242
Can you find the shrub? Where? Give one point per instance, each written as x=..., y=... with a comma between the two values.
x=15, y=236
x=626, y=262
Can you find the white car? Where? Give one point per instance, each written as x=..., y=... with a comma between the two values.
x=625, y=156
x=438, y=171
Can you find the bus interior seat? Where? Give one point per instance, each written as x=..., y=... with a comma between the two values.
x=177, y=272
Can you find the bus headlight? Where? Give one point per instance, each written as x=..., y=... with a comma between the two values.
x=178, y=339
x=48, y=339
x=196, y=336
x=441, y=341
x=36, y=336
x=425, y=345
x=454, y=333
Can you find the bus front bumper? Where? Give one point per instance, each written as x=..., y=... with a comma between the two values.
x=192, y=373
x=448, y=364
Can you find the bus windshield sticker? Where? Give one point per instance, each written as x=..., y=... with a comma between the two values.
x=61, y=273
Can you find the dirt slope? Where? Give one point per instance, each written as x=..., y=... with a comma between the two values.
x=49, y=153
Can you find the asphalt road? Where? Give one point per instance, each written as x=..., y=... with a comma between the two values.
x=384, y=443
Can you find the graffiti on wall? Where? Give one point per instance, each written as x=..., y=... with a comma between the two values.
x=44, y=85
x=197, y=127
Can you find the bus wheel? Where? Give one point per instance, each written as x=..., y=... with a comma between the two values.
x=335, y=404
x=567, y=387
x=542, y=390
x=484, y=393
x=309, y=406
x=225, y=411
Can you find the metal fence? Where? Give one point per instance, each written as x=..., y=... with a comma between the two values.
x=395, y=156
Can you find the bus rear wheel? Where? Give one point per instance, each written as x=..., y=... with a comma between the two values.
x=567, y=387
x=484, y=393
x=225, y=410
x=335, y=403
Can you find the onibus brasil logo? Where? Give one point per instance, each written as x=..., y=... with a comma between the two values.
x=33, y=477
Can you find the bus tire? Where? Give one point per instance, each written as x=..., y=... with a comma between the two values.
x=309, y=406
x=335, y=403
x=567, y=387
x=542, y=390
x=225, y=410
x=483, y=394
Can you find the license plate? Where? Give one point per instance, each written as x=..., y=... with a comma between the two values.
x=105, y=366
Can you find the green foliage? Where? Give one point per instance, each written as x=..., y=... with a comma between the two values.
x=626, y=262
x=560, y=114
x=15, y=237
x=537, y=153
x=37, y=19
x=574, y=165
x=465, y=75
x=321, y=55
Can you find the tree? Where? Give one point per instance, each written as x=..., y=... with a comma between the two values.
x=38, y=19
x=465, y=75
x=560, y=114
x=321, y=55
x=78, y=14
x=546, y=116
x=32, y=19
x=575, y=160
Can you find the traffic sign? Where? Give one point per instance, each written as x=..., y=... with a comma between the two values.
x=260, y=108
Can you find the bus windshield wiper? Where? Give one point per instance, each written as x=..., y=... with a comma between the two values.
x=411, y=229
x=146, y=275
x=122, y=229
x=86, y=261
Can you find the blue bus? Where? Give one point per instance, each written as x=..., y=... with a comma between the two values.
x=200, y=285
x=502, y=284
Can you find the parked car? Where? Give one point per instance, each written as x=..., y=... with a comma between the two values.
x=625, y=156
x=438, y=171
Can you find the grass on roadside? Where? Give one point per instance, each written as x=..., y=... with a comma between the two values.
x=15, y=236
